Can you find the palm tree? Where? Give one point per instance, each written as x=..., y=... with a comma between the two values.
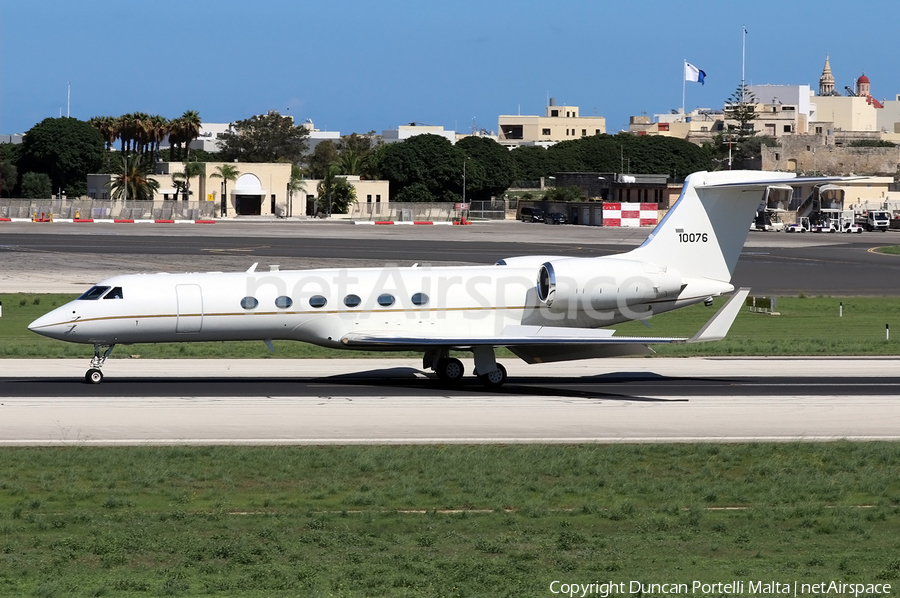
x=133, y=179
x=295, y=185
x=190, y=130
x=191, y=170
x=335, y=193
x=352, y=162
x=158, y=132
x=107, y=127
x=227, y=172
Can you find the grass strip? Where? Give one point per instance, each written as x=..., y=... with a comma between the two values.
x=806, y=326
x=371, y=521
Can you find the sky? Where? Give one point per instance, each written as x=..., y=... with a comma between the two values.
x=360, y=66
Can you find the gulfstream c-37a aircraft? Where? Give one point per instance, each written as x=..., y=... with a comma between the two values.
x=543, y=308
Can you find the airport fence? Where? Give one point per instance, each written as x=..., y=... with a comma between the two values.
x=428, y=211
x=107, y=208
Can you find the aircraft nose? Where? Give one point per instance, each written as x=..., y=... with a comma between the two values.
x=50, y=324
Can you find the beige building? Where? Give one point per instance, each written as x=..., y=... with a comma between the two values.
x=843, y=113
x=560, y=123
x=371, y=196
x=697, y=126
x=261, y=189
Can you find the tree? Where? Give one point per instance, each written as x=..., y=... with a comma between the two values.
x=226, y=172
x=322, y=157
x=66, y=149
x=336, y=194
x=296, y=184
x=625, y=152
x=565, y=194
x=9, y=174
x=741, y=108
x=182, y=131
x=133, y=180
x=266, y=138
x=530, y=162
x=197, y=155
x=36, y=185
x=490, y=170
x=356, y=155
x=183, y=179
x=427, y=159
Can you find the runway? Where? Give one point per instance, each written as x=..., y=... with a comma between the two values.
x=67, y=258
x=394, y=401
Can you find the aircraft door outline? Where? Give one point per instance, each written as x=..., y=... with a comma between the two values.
x=189, y=298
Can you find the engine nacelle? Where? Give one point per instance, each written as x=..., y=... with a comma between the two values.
x=601, y=284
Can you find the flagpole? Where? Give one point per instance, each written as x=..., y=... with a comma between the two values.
x=743, y=58
x=683, y=84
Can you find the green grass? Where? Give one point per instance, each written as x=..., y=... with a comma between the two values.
x=441, y=520
x=806, y=326
x=890, y=249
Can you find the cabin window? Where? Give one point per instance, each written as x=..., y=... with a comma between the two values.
x=116, y=293
x=249, y=302
x=385, y=300
x=352, y=300
x=420, y=299
x=94, y=293
x=284, y=302
x=317, y=301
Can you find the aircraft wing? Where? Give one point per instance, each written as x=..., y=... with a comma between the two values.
x=524, y=336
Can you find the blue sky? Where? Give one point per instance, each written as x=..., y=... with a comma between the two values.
x=357, y=66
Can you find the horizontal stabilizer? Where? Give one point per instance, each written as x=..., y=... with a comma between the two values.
x=719, y=325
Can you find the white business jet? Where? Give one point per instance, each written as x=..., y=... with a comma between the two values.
x=542, y=308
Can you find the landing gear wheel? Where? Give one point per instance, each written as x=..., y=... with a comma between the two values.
x=93, y=376
x=450, y=370
x=495, y=379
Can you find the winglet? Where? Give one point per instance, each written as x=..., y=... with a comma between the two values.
x=719, y=325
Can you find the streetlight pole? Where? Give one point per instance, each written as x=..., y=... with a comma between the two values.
x=466, y=159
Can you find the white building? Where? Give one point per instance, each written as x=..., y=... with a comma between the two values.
x=404, y=132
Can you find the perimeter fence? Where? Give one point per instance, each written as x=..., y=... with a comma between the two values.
x=431, y=211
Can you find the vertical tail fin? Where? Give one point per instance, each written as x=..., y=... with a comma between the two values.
x=703, y=233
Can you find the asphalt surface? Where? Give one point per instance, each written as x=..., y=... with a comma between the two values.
x=777, y=264
x=394, y=401
x=349, y=401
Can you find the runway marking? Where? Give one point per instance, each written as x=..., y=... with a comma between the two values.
x=874, y=251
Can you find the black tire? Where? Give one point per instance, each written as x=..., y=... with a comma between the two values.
x=93, y=376
x=450, y=371
x=495, y=379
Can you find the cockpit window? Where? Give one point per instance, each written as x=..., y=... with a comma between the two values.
x=116, y=293
x=94, y=293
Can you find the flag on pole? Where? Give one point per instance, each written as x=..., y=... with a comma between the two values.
x=692, y=73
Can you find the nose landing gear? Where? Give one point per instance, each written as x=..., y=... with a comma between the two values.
x=94, y=375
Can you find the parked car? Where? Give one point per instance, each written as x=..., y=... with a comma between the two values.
x=555, y=218
x=532, y=215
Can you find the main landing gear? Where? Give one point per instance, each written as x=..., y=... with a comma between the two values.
x=94, y=375
x=450, y=370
